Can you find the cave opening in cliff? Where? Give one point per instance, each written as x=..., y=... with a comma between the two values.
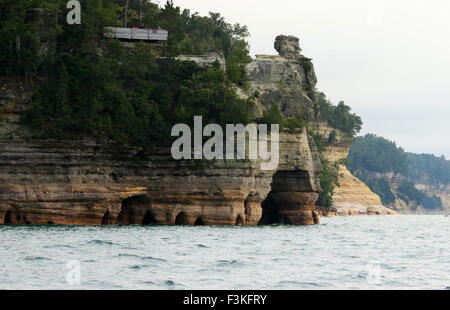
x=8, y=218
x=131, y=208
x=270, y=211
x=182, y=219
x=199, y=222
x=239, y=220
x=149, y=219
x=106, y=220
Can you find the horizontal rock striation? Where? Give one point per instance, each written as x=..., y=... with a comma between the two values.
x=89, y=183
x=352, y=196
x=94, y=183
x=205, y=61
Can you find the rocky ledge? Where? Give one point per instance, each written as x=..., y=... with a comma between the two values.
x=287, y=79
x=88, y=183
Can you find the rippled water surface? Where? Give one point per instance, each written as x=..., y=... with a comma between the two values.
x=403, y=252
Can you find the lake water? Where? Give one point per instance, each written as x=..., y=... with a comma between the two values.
x=397, y=252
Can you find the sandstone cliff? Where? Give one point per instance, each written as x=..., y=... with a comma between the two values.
x=90, y=183
x=287, y=79
x=410, y=207
x=97, y=182
x=440, y=190
x=352, y=196
x=204, y=61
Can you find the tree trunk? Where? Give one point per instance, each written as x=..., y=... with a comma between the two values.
x=18, y=45
x=140, y=14
x=126, y=12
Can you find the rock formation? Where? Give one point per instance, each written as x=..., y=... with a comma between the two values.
x=410, y=207
x=204, y=61
x=288, y=80
x=89, y=183
x=352, y=196
x=93, y=183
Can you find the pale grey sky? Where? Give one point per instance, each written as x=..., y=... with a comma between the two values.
x=388, y=59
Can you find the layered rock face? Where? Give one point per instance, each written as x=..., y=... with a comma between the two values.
x=205, y=61
x=295, y=186
x=93, y=183
x=88, y=183
x=441, y=190
x=287, y=80
x=410, y=207
x=352, y=196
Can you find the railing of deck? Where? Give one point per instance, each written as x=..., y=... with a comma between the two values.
x=137, y=34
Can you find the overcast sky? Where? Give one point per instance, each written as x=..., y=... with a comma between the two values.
x=389, y=60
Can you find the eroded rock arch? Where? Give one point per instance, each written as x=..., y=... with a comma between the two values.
x=133, y=210
x=149, y=219
x=291, y=200
x=240, y=220
x=199, y=222
x=106, y=220
x=182, y=219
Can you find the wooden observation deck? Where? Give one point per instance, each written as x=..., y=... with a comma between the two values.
x=136, y=34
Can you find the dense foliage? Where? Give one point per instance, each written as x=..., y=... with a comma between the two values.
x=380, y=187
x=372, y=154
x=330, y=174
x=340, y=116
x=376, y=154
x=274, y=116
x=420, y=198
x=435, y=170
x=92, y=86
x=193, y=34
x=409, y=190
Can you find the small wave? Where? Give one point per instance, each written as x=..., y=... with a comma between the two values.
x=36, y=258
x=202, y=246
x=128, y=255
x=135, y=267
x=58, y=246
x=173, y=285
x=142, y=257
x=100, y=242
x=297, y=284
x=154, y=258
x=279, y=259
x=227, y=263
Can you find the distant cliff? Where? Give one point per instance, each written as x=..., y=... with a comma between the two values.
x=406, y=182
